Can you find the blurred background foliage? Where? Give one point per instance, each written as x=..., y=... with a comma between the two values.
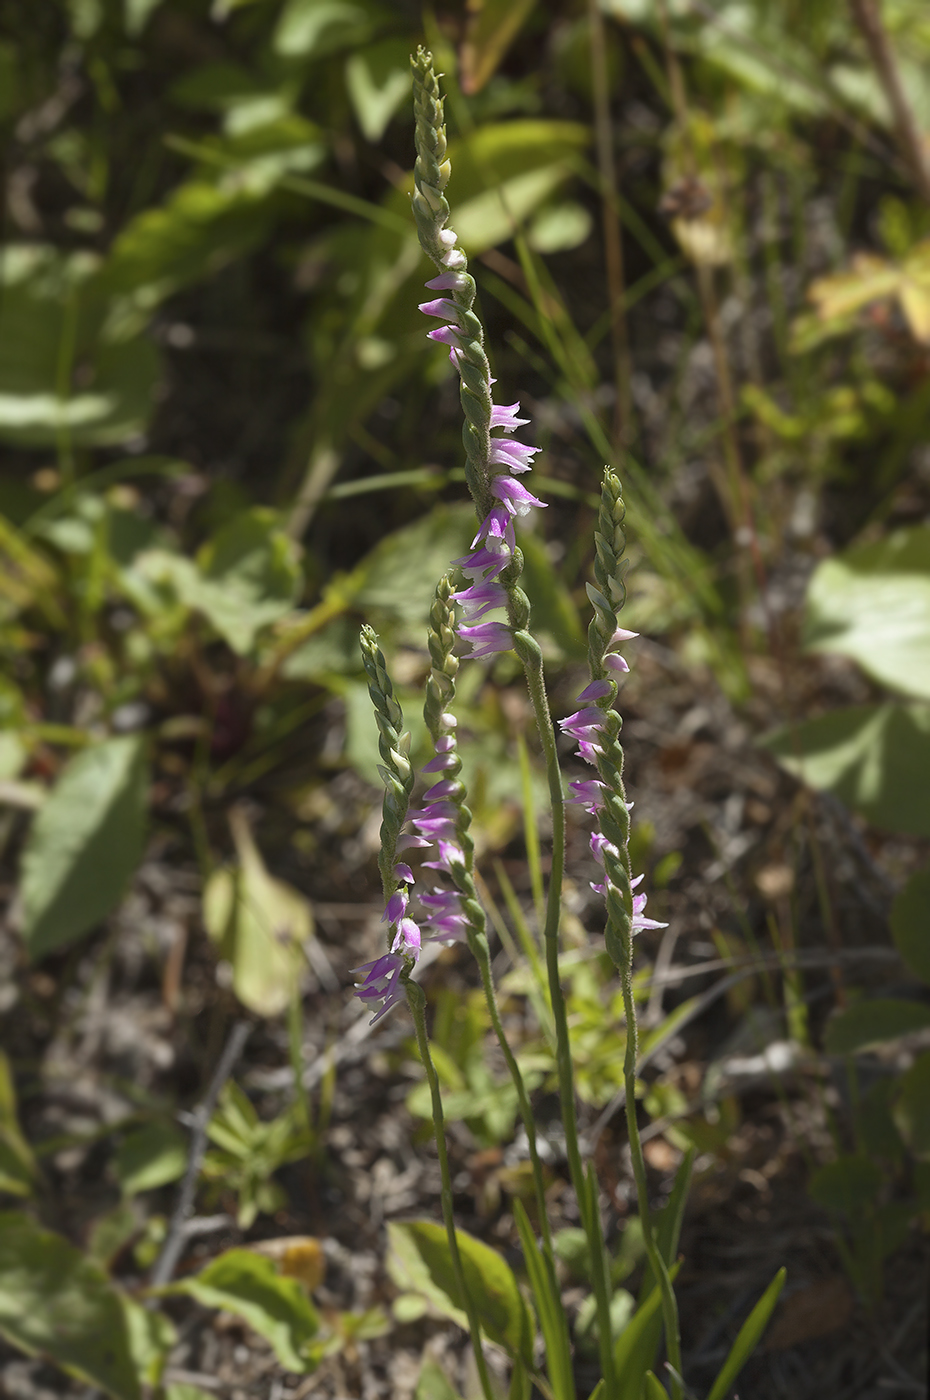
x=701, y=235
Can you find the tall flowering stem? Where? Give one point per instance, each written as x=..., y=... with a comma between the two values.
x=440, y=693
x=493, y=568
x=389, y=978
x=624, y=909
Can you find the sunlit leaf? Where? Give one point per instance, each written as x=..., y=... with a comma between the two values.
x=560, y=227
x=151, y=1337
x=314, y=28
x=55, y=1303
x=872, y=603
x=378, y=81
x=433, y=1384
x=259, y=925
x=420, y=1261
x=277, y=1308
x=872, y=1022
x=151, y=1156
x=85, y=843
x=876, y=758
x=18, y=1171
x=910, y=924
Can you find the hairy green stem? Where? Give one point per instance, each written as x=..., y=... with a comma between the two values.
x=416, y=1000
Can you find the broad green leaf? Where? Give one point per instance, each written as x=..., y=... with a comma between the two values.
x=378, y=81
x=491, y=29
x=84, y=844
x=151, y=1336
x=912, y=1111
x=111, y=1232
x=57, y=1304
x=872, y=1022
x=848, y=1185
x=433, y=1384
x=748, y=1338
x=872, y=603
x=560, y=227
x=244, y=579
x=876, y=758
x=183, y=1390
x=310, y=29
x=259, y=925
x=654, y=1390
x=18, y=1170
x=420, y=1261
x=151, y=1156
x=910, y=924
x=398, y=577
x=277, y=1308
x=47, y=302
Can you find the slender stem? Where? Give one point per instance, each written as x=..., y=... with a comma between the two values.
x=669, y=1305
x=868, y=16
x=532, y=662
x=417, y=1003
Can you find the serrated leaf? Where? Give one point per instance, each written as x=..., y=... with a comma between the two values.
x=872, y=603
x=259, y=925
x=910, y=924
x=277, y=1308
x=84, y=844
x=872, y=1022
x=57, y=1304
x=876, y=758
x=420, y=1261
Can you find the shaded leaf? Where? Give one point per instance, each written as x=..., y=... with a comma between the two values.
x=18, y=1170
x=910, y=924
x=420, y=1261
x=277, y=1308
x=912, y=1110
x=848, y=1185
x=748, y=1338
x=433, y=1384
x=84, y=844
x=872, y=1022
x=872, y=603
x=491, y=28
x=876, y=758
x=55, y=1303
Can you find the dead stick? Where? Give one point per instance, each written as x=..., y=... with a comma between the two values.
x=176, y=1238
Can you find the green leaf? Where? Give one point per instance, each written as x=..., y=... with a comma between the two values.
x=635, y=1348
x=549, y=1308
x=848, y=1186
x=48, y=301
x=183, y=1390
x=245, y=578
x=57, y=1304
x=420, y=1261
x=872, y=603
x=910, y=924
x=18, y=1170
x=491, y=29
x=151, y=1337
x=259, y=925
x=912, y=1111
x=277, y=1308
x=560, y=227
x=151, y=1156
x=876, y=758
x=748, y=1338
x=433, y=1384
x=378, y=81
x=872, y=1022
x=85, y=844
x=314, y=28
x=111, y=1232
x=655, y=1390
x=554, y=610
x=398, y=578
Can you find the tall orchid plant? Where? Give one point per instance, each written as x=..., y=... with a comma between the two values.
x=451, y=911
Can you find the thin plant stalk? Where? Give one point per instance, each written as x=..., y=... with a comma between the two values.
x=416, y=1000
